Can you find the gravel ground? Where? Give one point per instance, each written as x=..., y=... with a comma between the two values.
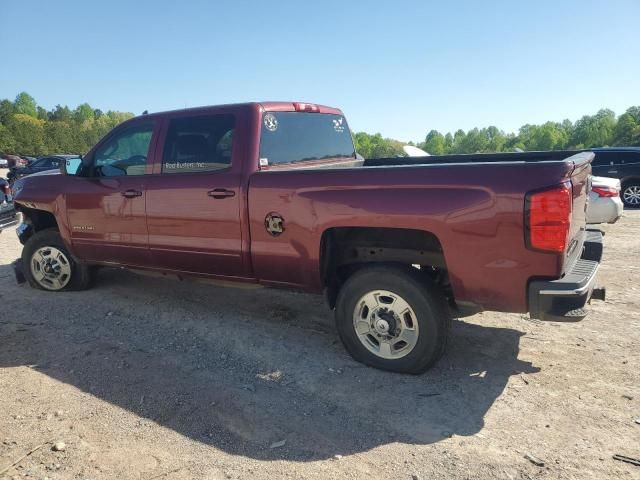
x=147, y=378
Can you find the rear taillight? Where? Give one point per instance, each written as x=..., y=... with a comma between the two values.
x=606, y=191
x=549, y=218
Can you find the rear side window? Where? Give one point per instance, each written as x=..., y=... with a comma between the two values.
x=289, y=137
x=615, y=158
x=198, y=144
x=602, y=158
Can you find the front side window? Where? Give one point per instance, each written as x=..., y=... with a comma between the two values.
x=289, y=137
x=198, y=144
x=125, y=153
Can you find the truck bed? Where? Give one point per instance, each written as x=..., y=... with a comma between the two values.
x=475, y=211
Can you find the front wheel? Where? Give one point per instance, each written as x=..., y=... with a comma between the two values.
x=392, y=318
x=47, y=264
x=631, y=195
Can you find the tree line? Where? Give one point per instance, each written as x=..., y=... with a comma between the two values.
x=29, y=129
x=599, y=130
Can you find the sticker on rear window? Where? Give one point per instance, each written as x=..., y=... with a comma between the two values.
x=337, y=124
x=270, y=122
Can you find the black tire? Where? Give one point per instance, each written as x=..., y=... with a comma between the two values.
x=80, y=277
x=424, y=298
x=635, y=185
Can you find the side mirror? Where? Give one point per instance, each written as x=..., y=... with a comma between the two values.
x=70, y=166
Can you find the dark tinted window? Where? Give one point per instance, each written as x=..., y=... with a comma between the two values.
x=298, y=136
x=618, y=158
x=604, y=158
x=41, y=163
x=47, y=163
x=198, y=144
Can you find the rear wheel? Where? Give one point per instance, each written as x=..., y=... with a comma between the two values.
x=631, y=195
x=391, y=318
x=47, y=264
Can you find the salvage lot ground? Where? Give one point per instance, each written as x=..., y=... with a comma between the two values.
x=146, y=377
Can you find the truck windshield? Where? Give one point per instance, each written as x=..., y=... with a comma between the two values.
x=289, y=137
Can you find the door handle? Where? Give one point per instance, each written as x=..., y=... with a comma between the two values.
x=221, y=193
x=131, y=193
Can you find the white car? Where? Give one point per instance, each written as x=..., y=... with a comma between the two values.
x=412, y=151
x=605, y=205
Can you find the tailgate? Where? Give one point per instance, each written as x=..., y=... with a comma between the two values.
x=581, y=187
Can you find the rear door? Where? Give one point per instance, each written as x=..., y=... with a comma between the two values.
x=604, y=164
x=194, y=198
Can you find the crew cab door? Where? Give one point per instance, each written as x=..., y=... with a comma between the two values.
x=194, y=197
x=106, y=201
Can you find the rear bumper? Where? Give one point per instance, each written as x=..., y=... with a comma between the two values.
x=564, y=299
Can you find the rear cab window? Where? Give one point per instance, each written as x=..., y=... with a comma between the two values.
x=291, y=138
x=198, y=144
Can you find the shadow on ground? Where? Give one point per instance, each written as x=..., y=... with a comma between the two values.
x=242, y=369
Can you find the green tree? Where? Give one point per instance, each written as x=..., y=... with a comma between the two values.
x=594, y=131
x=6, y=111
x=61, y=113
x=374, y=146
x=7, y=142
x=627, y=130
x=84, y=113
x=434, y=143
x=25, y=104
x=28, y=134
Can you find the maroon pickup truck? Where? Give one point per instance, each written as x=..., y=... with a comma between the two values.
x=274, y=194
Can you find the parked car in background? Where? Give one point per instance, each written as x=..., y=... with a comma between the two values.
x=605, y=205
x=413, y=151
x=15, y=161
x=8, y=216
x=622, y=163
x=4, y=163
x=40, y=165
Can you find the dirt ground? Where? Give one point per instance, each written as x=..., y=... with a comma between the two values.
x=146, y=378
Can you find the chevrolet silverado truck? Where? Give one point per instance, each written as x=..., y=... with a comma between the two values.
x=274, y=194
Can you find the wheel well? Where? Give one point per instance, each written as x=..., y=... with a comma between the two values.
x=628, y=180
x=37, y=220
x=344, y=250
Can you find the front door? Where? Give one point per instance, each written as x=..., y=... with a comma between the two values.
x=106, y=203
x=194, y=198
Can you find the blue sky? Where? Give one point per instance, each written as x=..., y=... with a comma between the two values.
x=400, y=68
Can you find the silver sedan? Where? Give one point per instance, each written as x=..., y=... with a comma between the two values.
x=605, y=204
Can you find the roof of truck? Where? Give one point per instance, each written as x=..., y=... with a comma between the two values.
x=264, y=106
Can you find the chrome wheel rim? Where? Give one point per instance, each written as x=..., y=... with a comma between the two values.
x=51, y=268
x=631, y=195
x=386, y=324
